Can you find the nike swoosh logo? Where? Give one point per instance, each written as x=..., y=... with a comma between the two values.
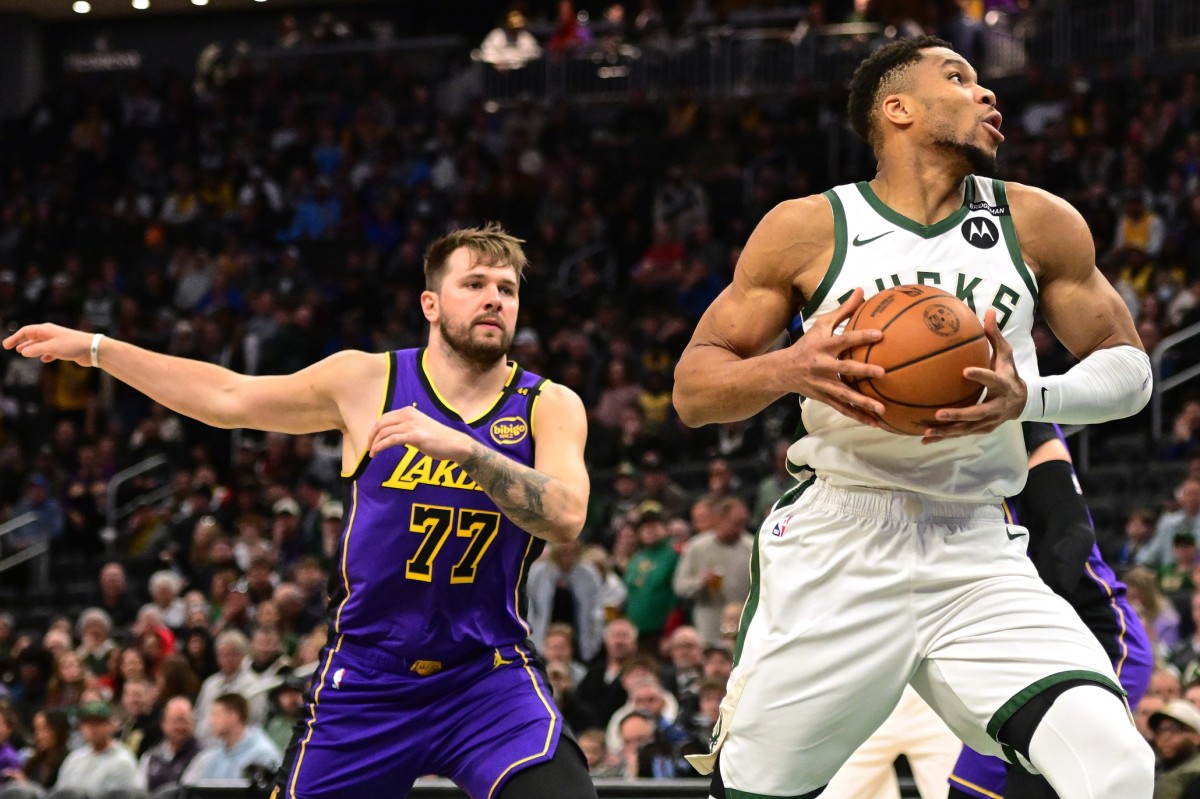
x=1011, y=536
x=1044, y=390
x=860, y=242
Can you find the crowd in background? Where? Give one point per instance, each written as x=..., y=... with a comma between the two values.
x=281, y=216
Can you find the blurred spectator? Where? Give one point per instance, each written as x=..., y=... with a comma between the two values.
x=574, y=712
x=601, y=689
x=510, y=46
x=681, y=674
x=1139, y=530
x=715, y=568
x=570, y=30
x=51, y=731
x=164, y=595
x=176, y=678
x=10, y=760
x=1176, y=728
x=563, y=589
x=95, y=642
x=1147, y=707
x=1157, y=613
x=601, y=762
x=1186, y=519
x=164, y=763
x=233, y=677
x=648, y=577
x=1185, y=431
x=46, y=524
x=657, y=485
x=239, y=744
x=1185, y=656
x=114, y=597
x=100, y=765
x=1139, y=228
x=285, y=708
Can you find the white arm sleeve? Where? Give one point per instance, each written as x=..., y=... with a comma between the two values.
x=1108, y=384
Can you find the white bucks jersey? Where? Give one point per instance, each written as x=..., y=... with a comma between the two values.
x=972, y=254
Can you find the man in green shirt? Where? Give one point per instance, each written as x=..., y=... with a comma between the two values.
x=648, y=577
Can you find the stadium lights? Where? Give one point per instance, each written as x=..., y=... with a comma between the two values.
x=199, y=2
x=141, y=5
x=81, y=6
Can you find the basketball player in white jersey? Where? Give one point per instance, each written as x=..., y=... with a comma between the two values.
x=891, y=562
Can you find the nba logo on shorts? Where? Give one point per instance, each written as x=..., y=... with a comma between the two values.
x=781, y=527
x=337, y=678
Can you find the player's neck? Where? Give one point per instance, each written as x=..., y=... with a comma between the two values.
x=462, y=382
x=924, y=190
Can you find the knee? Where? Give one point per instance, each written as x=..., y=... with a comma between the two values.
x=1128, y=771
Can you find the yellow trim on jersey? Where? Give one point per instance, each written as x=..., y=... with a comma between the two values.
x=337, y=621
x=517, y=588
x=512, y=370
x=388, y=383
x=549, y=732
x=1008, y=514
x=974, y=787
x=312, y=719
x=1112, y=600
x=533, y=410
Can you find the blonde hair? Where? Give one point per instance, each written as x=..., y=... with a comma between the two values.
x=490, y=243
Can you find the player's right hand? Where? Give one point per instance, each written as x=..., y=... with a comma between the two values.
x=52, y=343
x=821, y=371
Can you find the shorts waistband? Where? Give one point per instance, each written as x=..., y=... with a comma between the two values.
x=367, y=652
x=905, y=506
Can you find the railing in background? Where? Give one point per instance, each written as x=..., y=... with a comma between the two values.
x=725, y=62
x=113, y=514
x=1162, y=384
x=41, y=575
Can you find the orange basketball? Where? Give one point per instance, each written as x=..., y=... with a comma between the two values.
x=929, y=337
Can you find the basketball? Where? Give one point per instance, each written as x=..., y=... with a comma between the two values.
x=929, y=337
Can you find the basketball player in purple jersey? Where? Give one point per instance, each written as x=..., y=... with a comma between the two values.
x=1062, y=544
x=460, y=466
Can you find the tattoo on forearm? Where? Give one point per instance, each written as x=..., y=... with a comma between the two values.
x=518, y=490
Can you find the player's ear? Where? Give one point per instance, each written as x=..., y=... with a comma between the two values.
x=897, y=109
x=430, y=305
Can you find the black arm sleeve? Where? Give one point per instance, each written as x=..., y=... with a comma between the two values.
x=1060, y=530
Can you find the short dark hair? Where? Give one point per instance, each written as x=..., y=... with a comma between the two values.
x=492, y=245
x=882, y=69
x=236, y=703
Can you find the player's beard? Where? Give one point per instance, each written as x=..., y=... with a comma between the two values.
x=978, y=160
x=479, y=353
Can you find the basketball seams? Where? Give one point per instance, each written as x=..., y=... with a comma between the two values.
x=936, y=353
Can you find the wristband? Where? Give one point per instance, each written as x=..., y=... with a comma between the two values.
x=94, y=350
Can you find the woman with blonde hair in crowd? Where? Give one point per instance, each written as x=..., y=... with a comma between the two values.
x=1155, y=610
x=70, y=679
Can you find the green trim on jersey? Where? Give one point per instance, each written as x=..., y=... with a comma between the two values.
x=924, y=231
x=789, y=497
x=1009, y=708
x=734, y=793
x=1010, y=238
x=839, y=255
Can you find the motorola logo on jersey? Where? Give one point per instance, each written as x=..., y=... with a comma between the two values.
x=980, y=232
x=509, y=430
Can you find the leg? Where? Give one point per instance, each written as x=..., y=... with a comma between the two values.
x=808, y=644
x=932, y=748
x=565, y=776
x=977, y=776
x=1087, y=747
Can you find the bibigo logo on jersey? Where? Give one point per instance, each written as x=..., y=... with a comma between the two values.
x=509, y=430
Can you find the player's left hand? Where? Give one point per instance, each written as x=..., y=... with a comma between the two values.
x=1004, y=398
x=410, y=426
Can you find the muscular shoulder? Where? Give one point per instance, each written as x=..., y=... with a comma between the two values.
x=560, y=405
x=794, y=237
x=1051, y=232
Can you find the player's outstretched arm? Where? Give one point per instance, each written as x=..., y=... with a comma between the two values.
x=1113, y=378
x=726, y=372
x=548, y=500
x=304, y=402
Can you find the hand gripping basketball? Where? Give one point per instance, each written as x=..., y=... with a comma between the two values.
x=821, y=373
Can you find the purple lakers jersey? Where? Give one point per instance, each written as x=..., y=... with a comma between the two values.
x=429, y=568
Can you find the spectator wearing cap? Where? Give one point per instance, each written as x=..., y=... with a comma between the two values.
x=1176, y=728
x=286, y=705
x=609, y=510
x=238, y=745
x=649, y=575
x=715, y=568
x=331, y=535
x=658, y=485
x=562, y=588
x=285, y=530
x=101, y=765
x=46, y=524
x=165, y=763
x=233, y=677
